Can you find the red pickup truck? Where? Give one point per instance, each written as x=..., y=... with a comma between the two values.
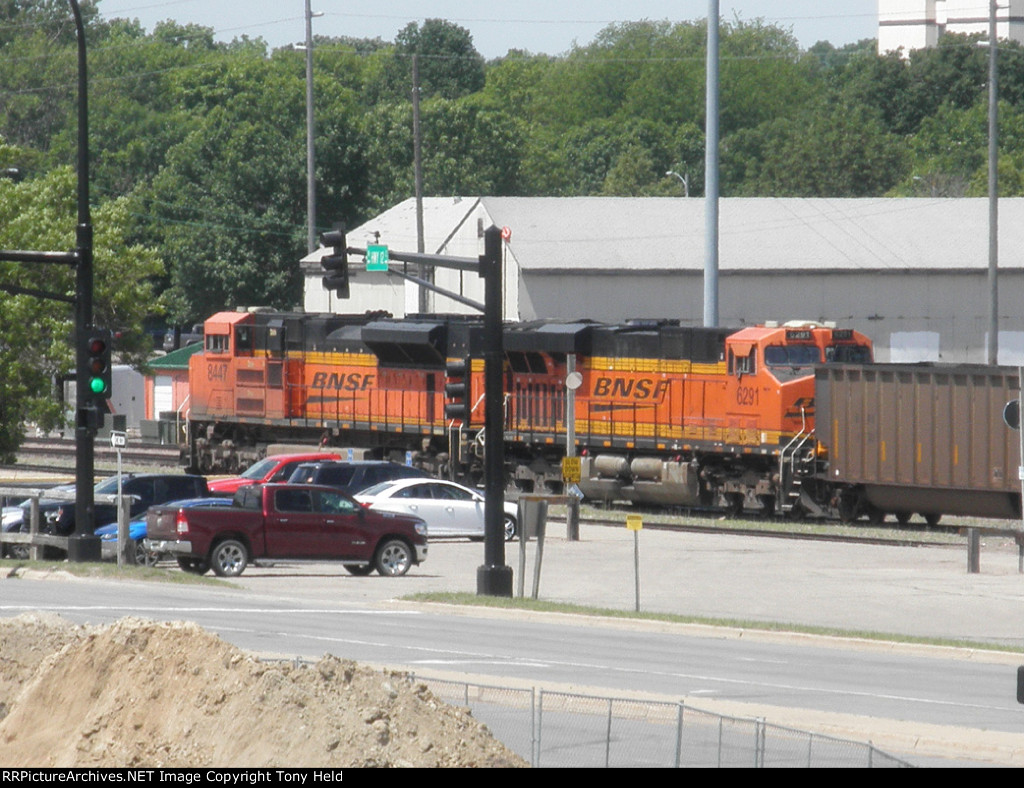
x=299, y=521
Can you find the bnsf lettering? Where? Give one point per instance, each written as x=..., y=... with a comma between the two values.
x=621, y=388
x=354, y=381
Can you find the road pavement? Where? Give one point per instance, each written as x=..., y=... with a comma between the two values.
x=920, y=592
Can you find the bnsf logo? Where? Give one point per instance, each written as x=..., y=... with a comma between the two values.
x=354, y=381
x=634, y=388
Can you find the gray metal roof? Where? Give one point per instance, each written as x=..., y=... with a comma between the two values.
x=552, y=234
x=604, y=233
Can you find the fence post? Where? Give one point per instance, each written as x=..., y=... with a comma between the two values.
x=534, y=728
x=540, y=726
x=608, y=737
x=679, y=734
x=35, y=551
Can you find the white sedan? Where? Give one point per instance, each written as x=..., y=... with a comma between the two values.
x=449, y=509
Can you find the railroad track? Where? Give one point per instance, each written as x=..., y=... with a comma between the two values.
x=56, y=454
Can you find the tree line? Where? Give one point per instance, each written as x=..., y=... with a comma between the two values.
x=198, y=147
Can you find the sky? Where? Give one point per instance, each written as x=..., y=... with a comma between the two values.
x=538, y=26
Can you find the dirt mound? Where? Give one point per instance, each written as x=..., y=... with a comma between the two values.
x=139, y=693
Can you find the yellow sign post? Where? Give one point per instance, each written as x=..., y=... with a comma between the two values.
x=635, y=523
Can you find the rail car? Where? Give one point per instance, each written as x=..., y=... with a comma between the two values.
x=665, y=414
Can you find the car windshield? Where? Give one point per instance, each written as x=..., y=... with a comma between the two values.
x=260, y=469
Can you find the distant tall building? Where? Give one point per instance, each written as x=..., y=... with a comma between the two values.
x=916, y=24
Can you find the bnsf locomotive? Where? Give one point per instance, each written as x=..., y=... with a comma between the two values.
x=664, y=414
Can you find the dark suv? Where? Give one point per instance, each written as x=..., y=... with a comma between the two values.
x=58, y=517
x=353, y=477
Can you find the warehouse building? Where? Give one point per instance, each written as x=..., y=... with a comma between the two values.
x=911, y=273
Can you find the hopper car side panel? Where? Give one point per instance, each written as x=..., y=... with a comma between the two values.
x=921, y=438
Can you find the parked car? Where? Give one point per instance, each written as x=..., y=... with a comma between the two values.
x=354, y=477
x=449, y=509
x=275, y=468
x=58, y=517
x=297, y=521
x=137, y=531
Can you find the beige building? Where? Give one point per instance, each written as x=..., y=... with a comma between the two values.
x=910, y=273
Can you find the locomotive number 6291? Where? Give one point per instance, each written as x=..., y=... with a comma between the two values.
x=747, y=396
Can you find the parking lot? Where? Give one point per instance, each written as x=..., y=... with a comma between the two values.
x=919, y=591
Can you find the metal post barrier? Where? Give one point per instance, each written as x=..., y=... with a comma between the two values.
x=532, y=518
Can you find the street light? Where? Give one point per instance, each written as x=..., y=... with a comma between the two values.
x=684, y=179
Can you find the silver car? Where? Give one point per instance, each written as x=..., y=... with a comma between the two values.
x=449, y=509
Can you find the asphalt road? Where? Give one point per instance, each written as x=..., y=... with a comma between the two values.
x=920, y=701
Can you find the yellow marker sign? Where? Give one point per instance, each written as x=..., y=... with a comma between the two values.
x=634, y=522
x=571, y=469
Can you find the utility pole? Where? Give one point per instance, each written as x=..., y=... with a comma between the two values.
x=993, y=188
x=310, y=152
x=426, y=271
x=711, y=173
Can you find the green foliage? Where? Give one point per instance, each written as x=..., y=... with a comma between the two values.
x=449, y=65
x=36, y=335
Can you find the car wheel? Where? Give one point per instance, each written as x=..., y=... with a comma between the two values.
x=229, y=558
x=394, y=558
x=18, y=552
x=194, y=566
x=145, y=557
x=359, y=570
x=510, y=528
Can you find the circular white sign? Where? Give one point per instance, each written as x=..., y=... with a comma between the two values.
x=573, y=381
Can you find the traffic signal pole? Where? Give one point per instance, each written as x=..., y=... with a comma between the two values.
x=83, y=545
x=493, y=578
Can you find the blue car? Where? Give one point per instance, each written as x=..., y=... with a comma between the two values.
x=137, y=530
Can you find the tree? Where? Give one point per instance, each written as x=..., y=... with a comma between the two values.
x=36, y=336
x=228, y=207
x=833, y=152
x=449, y=65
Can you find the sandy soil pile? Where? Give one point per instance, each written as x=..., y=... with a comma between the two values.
x=138, y=693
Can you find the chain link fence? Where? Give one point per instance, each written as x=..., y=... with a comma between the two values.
x=559, y=729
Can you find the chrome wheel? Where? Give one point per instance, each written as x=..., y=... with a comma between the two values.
x=394, y=558
x=229, y=558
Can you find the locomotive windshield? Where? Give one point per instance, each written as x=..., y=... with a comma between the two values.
x=791, y=355
x=848, y=354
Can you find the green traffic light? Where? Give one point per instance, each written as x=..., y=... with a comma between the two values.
x=97, y=386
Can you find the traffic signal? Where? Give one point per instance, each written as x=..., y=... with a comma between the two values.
x=456, y=389
x=98, y=367
x=335, y=264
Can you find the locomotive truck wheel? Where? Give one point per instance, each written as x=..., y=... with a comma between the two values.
x=194, y=566
x=229, y=558
x=359, y=570
x=733, y=505
x=393, y=558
